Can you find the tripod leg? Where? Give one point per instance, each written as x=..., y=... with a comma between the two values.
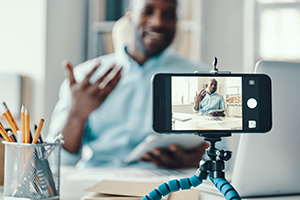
x=173, y=186
x=225, y=188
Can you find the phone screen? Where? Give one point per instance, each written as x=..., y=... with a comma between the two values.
x=206, y=103
x=211, y=103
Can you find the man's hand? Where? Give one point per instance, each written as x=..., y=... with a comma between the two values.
x=175, y=156
x=199, y=98
x=87, y=97
x=218, y=114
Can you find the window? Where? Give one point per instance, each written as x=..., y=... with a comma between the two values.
x=271, y=31
x=180, y=93
x=280, y=34
x=278, y=25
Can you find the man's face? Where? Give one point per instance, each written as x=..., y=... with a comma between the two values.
x=213, y=85
x=154, y=25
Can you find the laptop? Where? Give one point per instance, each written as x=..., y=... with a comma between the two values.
x=269, y=164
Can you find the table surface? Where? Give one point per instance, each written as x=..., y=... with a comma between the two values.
x=184, y=121
x=71, y=189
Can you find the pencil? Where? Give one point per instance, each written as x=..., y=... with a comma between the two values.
x=9, y=122
x=4, y=133
x=23, y=122
x=38, y=132
x=10, y=119
x=27, y=126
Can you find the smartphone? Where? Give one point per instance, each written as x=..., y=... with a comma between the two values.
x=235, y=103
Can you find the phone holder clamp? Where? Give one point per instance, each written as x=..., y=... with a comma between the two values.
x=214, y=64
x=215, y=165
x=214, y=70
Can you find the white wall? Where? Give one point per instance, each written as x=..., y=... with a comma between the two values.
x=66, y=36
x=222, y=33
x=35, y=36
x=23, y=47
x=222, y=36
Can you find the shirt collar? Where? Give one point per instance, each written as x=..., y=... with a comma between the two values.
x=124, y=59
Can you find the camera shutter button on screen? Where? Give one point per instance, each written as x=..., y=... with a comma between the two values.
x=252, y=103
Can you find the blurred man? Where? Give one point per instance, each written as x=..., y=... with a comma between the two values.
x=114, y=118
x=208, y=102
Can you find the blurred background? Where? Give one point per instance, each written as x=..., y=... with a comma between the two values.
x=36, y=35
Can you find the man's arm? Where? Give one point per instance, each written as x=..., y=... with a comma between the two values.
x=175, y=156
x=199, y=98
x=86, y=97
x=221, y=106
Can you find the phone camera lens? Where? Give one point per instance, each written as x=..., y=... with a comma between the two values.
x=251, y=82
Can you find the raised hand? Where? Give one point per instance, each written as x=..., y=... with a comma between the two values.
x=200, y=96
x=86, y=96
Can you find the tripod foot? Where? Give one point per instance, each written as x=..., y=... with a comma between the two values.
x=225, y=188
x=173, y=186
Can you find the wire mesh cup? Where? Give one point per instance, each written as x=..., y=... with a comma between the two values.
x=32, y=171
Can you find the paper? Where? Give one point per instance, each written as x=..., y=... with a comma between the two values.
x=124, y=190
x=97, y=196
x=181, y=116
x=192, y=194
x=137, y=174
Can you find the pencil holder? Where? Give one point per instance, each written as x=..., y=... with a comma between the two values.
x=32, y=171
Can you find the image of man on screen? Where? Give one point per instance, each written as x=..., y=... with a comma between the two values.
x=208, y=102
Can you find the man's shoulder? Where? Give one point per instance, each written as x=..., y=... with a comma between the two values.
x=218, y=95
x=104, y=59
x=178, y=63
x=90, y=63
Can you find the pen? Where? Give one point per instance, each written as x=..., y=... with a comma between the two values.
x=20, y=137
x=57, y=139
x=38, y=132
x=41, y=139
x=23, y=123
x=9, y=118
x=27, y=126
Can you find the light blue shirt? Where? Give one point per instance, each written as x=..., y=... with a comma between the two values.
x=125, y=118
x=210, y=102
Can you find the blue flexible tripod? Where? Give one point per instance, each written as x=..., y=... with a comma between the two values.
x=213, y=167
